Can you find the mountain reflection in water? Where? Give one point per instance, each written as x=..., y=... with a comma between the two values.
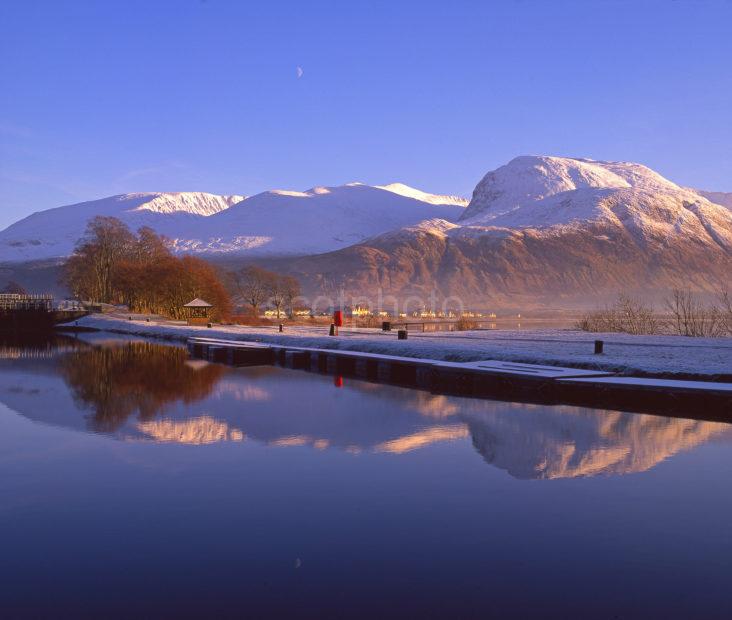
x=530, y=441
x=150, y=392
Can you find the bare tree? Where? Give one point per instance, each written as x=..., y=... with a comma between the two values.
x=291, y=289
x=278, y=295
x=90, y=270
x=253, y=285
x=690, y=317
x=627, y=315
x=151, y=246
x=725, y=307
x=635, y=317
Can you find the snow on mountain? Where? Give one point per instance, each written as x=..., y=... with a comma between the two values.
x=543, y=193
x=318, y=220
x=436, y=227
x=195, y=203
x=53, y=233
x=551, y=228
x=279, y=221
x=540, y=191
x=435, y=199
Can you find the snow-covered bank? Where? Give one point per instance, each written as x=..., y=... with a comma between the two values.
x=630, y=355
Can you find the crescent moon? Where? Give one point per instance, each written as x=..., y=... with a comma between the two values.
x=299, y=72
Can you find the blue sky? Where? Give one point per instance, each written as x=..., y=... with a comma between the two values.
x=106, y=97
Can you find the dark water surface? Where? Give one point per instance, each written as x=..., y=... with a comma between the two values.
x=134, y=482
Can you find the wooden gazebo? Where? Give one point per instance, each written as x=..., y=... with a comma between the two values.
x=198, y=311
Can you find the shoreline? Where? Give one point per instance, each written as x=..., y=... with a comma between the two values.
x=670, y=357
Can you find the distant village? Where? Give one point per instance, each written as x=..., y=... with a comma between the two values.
x=364, y=312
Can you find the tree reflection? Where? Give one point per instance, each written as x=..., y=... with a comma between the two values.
x=14, y=345
x=287, y=409
x=135, y=378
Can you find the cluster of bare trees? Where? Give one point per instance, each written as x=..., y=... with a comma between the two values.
x=691, y=317
x=113, y=265
x=627, y=315
x=256, y=287
x=685, y=314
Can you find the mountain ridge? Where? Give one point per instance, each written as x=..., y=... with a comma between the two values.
x=544, y=228
x=539, y=229
x=275, y=221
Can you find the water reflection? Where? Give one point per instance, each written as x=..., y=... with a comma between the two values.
x=570, y=442
x=194, y=431
x=135, y=378
x=35, y=346
x=421, y=439
x=151, y=392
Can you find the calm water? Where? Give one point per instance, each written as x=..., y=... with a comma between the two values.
x=136, y=482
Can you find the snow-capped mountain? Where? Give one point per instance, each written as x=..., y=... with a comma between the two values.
x=539, y=227
x=275, y=222
x=435, y=199
x=540, y=192
x=194, y=203
x=318, y=220
x=53, y=233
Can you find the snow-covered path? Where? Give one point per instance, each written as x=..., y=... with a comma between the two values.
x=626, y=354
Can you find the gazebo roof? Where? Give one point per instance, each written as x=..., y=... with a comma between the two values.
x=198, y=303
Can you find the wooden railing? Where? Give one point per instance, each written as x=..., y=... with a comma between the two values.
x=15, y=301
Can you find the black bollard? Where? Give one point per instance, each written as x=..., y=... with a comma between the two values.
x=386, y=326
x=332, y=330
x=282, y=327
x=209, y=324
x=598, y=347
x=402, y=334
